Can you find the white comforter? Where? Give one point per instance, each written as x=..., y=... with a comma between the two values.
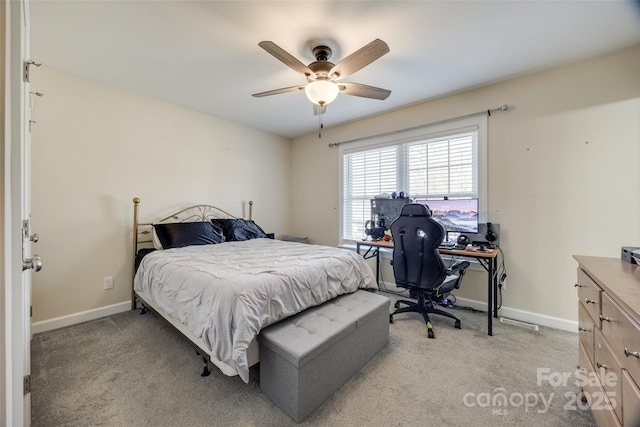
x=226, y=293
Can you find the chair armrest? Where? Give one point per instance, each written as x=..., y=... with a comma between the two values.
x=459, y=266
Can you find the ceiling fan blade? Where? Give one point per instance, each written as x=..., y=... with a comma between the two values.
x=359, y=59
x=357, y=89
x=286, y=58
x=317, y=110
x=278, y=91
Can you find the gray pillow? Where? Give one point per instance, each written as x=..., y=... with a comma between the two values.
x=287, y=238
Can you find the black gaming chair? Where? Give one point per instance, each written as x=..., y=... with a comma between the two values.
x=418, y=266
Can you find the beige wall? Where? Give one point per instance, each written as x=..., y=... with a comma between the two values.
x=563, y=174
x=3, y=146
x=96, y=147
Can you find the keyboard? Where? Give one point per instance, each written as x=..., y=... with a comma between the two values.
x=451, y=245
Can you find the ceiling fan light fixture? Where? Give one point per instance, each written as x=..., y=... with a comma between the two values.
x=321, y=92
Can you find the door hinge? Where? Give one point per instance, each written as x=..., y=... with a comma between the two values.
x=26, y=224
x=31, y=311
x=27, y=64
x=27, y=384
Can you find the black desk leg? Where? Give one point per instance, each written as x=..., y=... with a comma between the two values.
x=490, y=297
x=495, y=288
x=376, y=253
x=377, y=266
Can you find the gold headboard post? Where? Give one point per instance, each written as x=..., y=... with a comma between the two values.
x=136, y=202
x=250, y=209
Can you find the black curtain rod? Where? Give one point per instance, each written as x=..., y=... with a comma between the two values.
x=504, y=107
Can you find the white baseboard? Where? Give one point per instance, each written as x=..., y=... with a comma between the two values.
x=524, y=316
x=83, y=316
x=513, y=313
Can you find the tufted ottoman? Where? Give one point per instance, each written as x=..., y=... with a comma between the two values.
x=305, y=358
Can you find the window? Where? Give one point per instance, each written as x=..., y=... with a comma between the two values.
x=428, y=162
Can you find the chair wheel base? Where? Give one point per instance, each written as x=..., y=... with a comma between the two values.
x=458, y=324
x=391, y=318
x=431, y=334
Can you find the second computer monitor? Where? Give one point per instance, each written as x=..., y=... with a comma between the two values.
x=455, y=215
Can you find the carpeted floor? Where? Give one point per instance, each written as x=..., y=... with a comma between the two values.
x=131, y=370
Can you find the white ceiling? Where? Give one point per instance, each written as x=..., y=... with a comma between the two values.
x=205, y=54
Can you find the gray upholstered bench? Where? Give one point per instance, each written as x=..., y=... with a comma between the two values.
x=305, y=358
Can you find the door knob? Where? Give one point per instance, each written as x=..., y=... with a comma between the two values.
x=34, y=263
x=34, y=238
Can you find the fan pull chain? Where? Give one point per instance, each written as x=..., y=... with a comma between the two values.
x=320, y=125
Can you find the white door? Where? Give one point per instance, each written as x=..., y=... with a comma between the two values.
x=30, y=262
x=20, y=263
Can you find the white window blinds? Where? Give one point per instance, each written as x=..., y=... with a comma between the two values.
x=444, y=167
x=433, y=166
x=366, y=174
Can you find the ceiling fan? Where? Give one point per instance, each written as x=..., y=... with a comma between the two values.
x=324, y=78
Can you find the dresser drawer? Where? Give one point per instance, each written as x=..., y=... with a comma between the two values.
x=609, y=372
x=609, y=292
x=601, y=408
x=586, y=329
x=630, y=401
x=622, y=333
x=589, y=294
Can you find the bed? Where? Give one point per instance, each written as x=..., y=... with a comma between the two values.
x=219, y=279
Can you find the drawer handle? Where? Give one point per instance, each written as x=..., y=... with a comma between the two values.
x=631, y=353
x=601, y=365
x=589, y=301
x=577, y=285
x=604, y=318
x=581, y=329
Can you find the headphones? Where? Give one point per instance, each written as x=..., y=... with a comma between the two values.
x=490, y=235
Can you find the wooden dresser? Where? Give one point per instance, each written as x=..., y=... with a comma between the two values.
x=609, y=328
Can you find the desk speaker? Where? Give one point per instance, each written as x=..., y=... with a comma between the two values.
x=463, y=239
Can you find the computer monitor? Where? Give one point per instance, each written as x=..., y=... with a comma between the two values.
x=455, y=215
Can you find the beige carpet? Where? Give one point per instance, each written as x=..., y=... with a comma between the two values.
x=131, y=370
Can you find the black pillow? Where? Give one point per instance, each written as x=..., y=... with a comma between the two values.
x=237, y=229
x=141, y=254
x=180, y=234
x=218, y=227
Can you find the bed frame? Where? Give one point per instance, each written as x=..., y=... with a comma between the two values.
x=143, y=238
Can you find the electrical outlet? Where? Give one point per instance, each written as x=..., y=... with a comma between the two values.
x=108, y=282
